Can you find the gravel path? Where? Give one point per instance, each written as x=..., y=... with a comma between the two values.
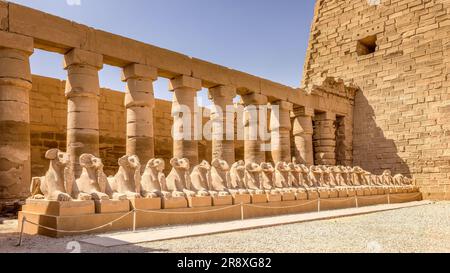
x=418, y=229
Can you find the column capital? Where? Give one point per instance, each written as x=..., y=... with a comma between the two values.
x=139, y=71
x=82, y=57
x=254, y=99
x=184, y=81
x=16, y=41
x=222, y=91
x=299, y=111
x=284, y=105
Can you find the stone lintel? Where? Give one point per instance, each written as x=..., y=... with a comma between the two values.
x=222, y=91
x=83, y=57
x=326, y=116
x=254, y=99
x=284, y=105
x=16, y=41
x=184, y=81
x=139, y=71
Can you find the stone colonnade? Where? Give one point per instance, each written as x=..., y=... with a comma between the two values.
x=82, y=91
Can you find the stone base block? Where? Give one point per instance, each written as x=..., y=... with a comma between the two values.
x=242, y=199
x=367, y=191
x=259, y=198
x=274, y=197
x=312, y=194
x=288, y=196
x=373, y=191
x=54, y=208
x=364, y=201
x=222, y=200
x=280, y=208
x=111, y=206
x=405, y=197
x=381, y=191
x=174, y=203
x=301, y=195
x=351, y=192
x=199, y=201
x=146, y=203
x=337, y=203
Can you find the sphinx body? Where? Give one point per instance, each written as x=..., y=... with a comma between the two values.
x=52, y=186
x=153, y=181
x=252, y=178
x=126, y=183
x=219, y=177
x=282, y=173
x=92, y=182
x=199, y=179
x=178, y=179
x=267, y=177
x=236, y=183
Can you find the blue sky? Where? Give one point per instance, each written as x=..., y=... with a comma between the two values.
x=267, y=38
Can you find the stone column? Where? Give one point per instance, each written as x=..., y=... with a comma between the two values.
x=140, y=102
x=15, y=85
x=280, y=128
x=185, y=90
x=82, y=92
x=222, y=147
x=253, y=144
x=303, y=134
x=325, y=139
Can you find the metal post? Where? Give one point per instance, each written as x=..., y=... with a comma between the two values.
x=356, y=200
x=21, y=231
x=242, y=211
x=318, y=204
x=389, y=198
x=134, y=220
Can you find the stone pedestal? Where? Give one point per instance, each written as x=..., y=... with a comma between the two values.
x=367, y=191
x=280, y=128
x=288, y=196
x=222, y=200
x=312, y=194
x=301, y=195
x=274, y=197
x=199, y=201
x=351, y=192
x=82, y=92
x=333, y=193
x=54, y=208
x=185, y=113
x=253, y=143
x=259, y=198
x=174, y=203
x=303, y=135
x=223, y=123
x=343, y=193
x=146, y=203
x=324, y=193
x=111, y=206
x=242, y=199
x=140, y=102
x=359, y=191
x=15, y=85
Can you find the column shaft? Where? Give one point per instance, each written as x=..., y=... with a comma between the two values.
x=82, y=92
x=140, y=102
x=280, y=127
x=15, y=85
x=222, y=147
x=303, y=135
x=184, y=103
x=253, y=144
x=325, y=139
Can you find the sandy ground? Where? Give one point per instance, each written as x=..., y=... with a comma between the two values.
x=418, y=229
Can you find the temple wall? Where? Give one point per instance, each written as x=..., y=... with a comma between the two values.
x=402, y=113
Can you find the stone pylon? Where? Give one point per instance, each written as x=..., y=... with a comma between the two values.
x=140, y=103
x=82, y=92
x=223, y=123
x=15, y=85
